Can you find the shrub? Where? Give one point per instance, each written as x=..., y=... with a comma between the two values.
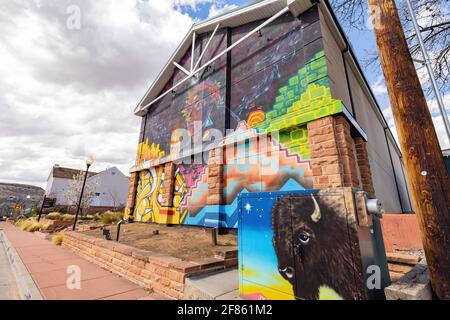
x=110, y=217
x=21, y=223
x=87, y=217
x=57, y=239
x=35, y=212
x=32, y=225
x=67, y=217
x=53, y=216
x=61, y=209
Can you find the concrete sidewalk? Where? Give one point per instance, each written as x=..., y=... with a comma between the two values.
x=48, y=265
x=8, y=287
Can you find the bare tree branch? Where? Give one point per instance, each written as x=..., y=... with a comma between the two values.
x=434, y=20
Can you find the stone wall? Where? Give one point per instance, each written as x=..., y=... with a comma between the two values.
x=364, y=166
x=337, y=159
x=159, y=272
x=131, y=194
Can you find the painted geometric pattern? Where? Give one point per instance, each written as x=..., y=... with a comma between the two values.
x=306, y=97
x=295, y=139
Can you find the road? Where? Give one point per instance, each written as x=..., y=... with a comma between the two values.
x=8, y=287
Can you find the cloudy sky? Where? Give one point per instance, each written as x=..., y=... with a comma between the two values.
x=67, y=92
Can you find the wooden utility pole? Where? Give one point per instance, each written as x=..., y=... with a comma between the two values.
x=427, y=177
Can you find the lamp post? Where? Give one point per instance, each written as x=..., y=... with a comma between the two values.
x=42, y=207
x=89, y=162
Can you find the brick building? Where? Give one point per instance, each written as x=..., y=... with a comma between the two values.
x=267, y=97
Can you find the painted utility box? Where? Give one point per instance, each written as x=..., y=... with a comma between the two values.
x=312, y=244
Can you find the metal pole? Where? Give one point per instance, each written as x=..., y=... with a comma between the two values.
x=118, y=229
x=42, y=208
x=428, y=64
x=81, y=197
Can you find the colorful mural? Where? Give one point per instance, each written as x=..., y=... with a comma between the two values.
x=279, y=82
x=304, y=98
x=149, y=197
x=280, y=235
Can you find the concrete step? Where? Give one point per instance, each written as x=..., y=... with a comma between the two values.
x=216, y=286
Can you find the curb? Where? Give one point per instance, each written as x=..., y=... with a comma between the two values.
x=27, y=287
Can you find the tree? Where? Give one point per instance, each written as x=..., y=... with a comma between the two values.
x=115, y=199
x=72, y=193
x=434, y=20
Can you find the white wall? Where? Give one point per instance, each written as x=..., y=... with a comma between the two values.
x=112, y=188
x=56, y=188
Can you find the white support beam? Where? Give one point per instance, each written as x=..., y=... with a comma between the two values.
x=195, y=71
x=181, y=68
x=193, y=51
x=206, y=47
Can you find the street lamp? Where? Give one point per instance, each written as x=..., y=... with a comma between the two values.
x=89, y=162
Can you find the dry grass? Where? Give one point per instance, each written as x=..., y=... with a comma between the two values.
x=110, y=217
x=67, y=217
x=53, y=216
x=32, y=225
x=57, y=239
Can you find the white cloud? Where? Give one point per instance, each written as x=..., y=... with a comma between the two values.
x=193, y=4
x=379, y=87
x=436, y=116
x=68, y=93
x=217, y=9
x=438, y=120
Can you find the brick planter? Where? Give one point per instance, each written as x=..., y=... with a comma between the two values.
x=159, y=272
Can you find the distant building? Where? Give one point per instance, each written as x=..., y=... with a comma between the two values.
x=111, y=190
x=58, y=181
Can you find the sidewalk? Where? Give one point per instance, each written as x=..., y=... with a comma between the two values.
x=8, y=287
x=48, y=265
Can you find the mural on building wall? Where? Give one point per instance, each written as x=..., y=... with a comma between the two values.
x=279, y=82
x=148, y=206
x=278, y=244
x=201, y=99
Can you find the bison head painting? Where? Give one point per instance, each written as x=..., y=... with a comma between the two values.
x=312, y=245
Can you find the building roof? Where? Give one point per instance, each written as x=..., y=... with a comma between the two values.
x=109, y=171
x=251, y=12
x=254, y=11
x=67, y=173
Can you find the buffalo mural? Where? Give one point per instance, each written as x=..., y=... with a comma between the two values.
x=312, y=245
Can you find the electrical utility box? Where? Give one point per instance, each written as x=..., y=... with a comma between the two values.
x=312, y=244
